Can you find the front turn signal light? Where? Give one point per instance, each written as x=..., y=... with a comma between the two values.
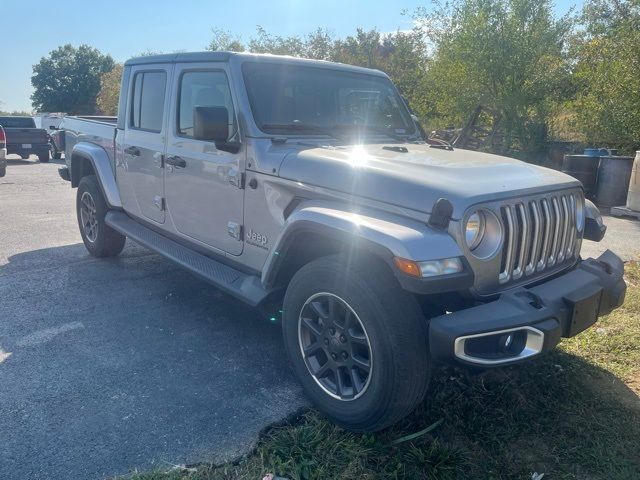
x=407, y=266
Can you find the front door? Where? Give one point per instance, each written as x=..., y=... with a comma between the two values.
x=143, y=146
x=203, y=185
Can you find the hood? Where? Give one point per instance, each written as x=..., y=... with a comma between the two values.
x=417, y=178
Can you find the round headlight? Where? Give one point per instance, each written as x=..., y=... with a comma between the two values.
x=483, y=233
x=474, y=230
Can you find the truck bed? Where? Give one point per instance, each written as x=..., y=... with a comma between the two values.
x=100, y=131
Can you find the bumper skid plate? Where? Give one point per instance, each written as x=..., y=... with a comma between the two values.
x=525, y=322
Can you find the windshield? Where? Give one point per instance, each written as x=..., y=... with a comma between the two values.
x=17, y=122
x=293, y=99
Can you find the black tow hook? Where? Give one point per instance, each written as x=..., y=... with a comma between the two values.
x=535, y=300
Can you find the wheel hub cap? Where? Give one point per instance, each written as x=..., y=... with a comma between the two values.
x=88, y=217
x=335, y=346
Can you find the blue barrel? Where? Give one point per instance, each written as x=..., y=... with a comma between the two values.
x=596, y=152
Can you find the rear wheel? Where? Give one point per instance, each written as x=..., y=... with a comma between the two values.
x=357, y=342
x=98, y=237
x=55, y=153
x=44, y=156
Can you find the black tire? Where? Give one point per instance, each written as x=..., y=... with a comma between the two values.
x=393, y=325
x=57, y=155
x=99, y=239
x=44, y=156
x=3, y=170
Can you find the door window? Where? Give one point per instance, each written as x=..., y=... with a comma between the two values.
x=148, y=100
x=203, y=89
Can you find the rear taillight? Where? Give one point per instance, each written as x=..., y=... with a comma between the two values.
x=2, y=137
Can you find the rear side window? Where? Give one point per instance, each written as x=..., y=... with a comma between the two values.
x=203, y=89
x=148, y=100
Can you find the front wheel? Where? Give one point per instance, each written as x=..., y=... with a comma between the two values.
x=357, y=342
x=44, y=156
x=98, y=237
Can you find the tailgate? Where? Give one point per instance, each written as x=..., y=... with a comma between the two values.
x=34, y=136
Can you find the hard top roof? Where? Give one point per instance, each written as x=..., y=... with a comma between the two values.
x=192, y=57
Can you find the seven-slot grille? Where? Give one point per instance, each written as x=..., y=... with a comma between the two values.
x=539, y=233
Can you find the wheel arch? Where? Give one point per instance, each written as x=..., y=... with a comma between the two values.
x=89, y=159
x=307, y=241
x=320, y=228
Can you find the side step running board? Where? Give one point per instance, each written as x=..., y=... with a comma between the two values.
x=245, y=287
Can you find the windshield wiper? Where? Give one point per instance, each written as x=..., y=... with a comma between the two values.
x=379, y=130
x=395, y=136
x=331, y=132
x=301, y=127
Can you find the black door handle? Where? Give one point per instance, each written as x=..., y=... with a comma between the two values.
x=133, y=151
x=176, y=161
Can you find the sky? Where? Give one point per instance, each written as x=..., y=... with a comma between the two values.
x=126, y=28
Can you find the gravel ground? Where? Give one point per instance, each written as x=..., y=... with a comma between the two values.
x=112, y=365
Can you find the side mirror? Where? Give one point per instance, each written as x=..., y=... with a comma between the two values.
x=211, y=123
x=53, y=127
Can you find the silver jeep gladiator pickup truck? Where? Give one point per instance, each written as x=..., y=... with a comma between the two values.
x=304, y=188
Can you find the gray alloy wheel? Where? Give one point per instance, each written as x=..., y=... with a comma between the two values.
x=91, y=208
x=335, y=346
x=88, y=217
x=357, y=342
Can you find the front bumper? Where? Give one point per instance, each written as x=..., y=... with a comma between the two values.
x=525, y=322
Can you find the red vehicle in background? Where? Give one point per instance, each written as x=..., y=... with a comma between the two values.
x=3, y=153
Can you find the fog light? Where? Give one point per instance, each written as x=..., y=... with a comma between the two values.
x=505, y=341
x=499, y=347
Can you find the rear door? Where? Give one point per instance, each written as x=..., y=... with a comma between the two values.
x=144, y=141
x=204, y=195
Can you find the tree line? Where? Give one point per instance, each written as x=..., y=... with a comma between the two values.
x=570, y=78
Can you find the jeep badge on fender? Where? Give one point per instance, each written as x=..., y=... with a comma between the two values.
x=256, y=239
